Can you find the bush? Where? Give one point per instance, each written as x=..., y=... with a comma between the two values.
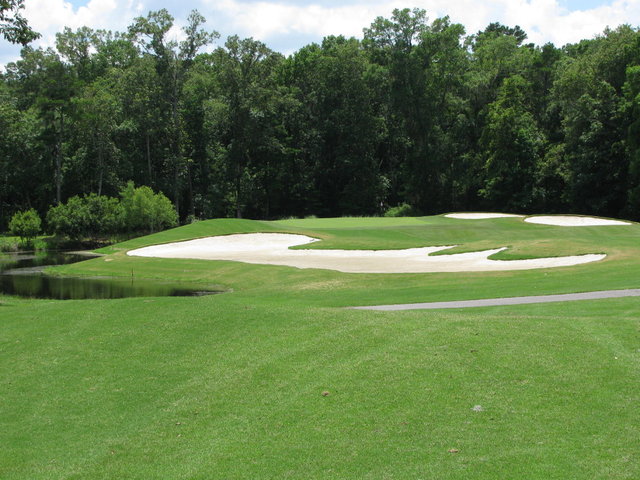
x=145, y=210
x=105, y=216
x=8, y=245
x=402, y=210
x=68, y=219
x=26, y=225
x=97, y=216
x=90, y=216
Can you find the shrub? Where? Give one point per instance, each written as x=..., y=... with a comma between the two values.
x=90, y=216
x=68, y=219
x=26, y=225
x=98, y=216
x=146, y=211
x=8, y=245
x=402, y=210
x=105, y=215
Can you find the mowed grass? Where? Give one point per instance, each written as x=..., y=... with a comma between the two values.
x=323, y=288
x=231, y=386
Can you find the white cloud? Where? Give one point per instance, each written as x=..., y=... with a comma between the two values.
x=50, y=16
x=546, y=21
x=543, y=20
x=264, y=19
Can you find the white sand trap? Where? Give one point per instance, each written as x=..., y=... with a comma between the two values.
x=273, y=249
x=573, y=221
x=480, y=216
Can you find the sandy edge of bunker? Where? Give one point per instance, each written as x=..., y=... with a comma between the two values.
x=274, y=249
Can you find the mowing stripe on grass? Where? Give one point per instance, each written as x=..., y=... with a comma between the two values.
x=494, y=302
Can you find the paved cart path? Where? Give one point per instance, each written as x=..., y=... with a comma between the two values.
x=493, y=302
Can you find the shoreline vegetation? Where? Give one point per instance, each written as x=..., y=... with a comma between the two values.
x=92, y=221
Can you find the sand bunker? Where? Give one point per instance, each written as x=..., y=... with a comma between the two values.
x=479, y=216
x=273, y=249
x=573, y=221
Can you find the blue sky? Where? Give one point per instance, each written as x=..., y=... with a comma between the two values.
x=583, y=4
x=287, y=25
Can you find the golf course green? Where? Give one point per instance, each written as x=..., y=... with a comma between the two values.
x=276, y=379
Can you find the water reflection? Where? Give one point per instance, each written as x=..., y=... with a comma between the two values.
x=22, y=275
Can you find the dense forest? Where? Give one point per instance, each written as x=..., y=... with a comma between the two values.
x=418, y=113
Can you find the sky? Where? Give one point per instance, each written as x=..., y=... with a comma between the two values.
x=287, y=25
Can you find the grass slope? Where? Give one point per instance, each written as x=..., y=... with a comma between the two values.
x=230, y=386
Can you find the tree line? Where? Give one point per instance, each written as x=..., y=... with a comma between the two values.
x=417, y=114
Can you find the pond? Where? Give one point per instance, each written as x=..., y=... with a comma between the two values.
x=22, y=275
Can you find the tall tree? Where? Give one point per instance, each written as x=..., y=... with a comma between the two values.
x=631, y=110
x=588, y=94
x=172, y=61
x=47, y=84
x=239, y=118
x=23, y=176
x=140, y=96
x=426, y=64
x=342, y=127
x=13, y=26
x=97, y=118
x=513, y=146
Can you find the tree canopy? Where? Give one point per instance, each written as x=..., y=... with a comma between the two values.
x=13, y=26
x=417, y=114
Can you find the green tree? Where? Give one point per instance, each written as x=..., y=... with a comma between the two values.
x=88, y=217
x=427, y=112
x=240, y=117
x=75, y=48
x=588, y=93
x=45, y=83
x=631, y=109
x=144, y=210
x=97, y=118
x=513, y=145
x=24, y=178
x=13, y=26
x=172, y=62
x=496, y=29
x=141, y=132
x=26, y=225
x=341, y=127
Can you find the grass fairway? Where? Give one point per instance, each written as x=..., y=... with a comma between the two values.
x=231, y=386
